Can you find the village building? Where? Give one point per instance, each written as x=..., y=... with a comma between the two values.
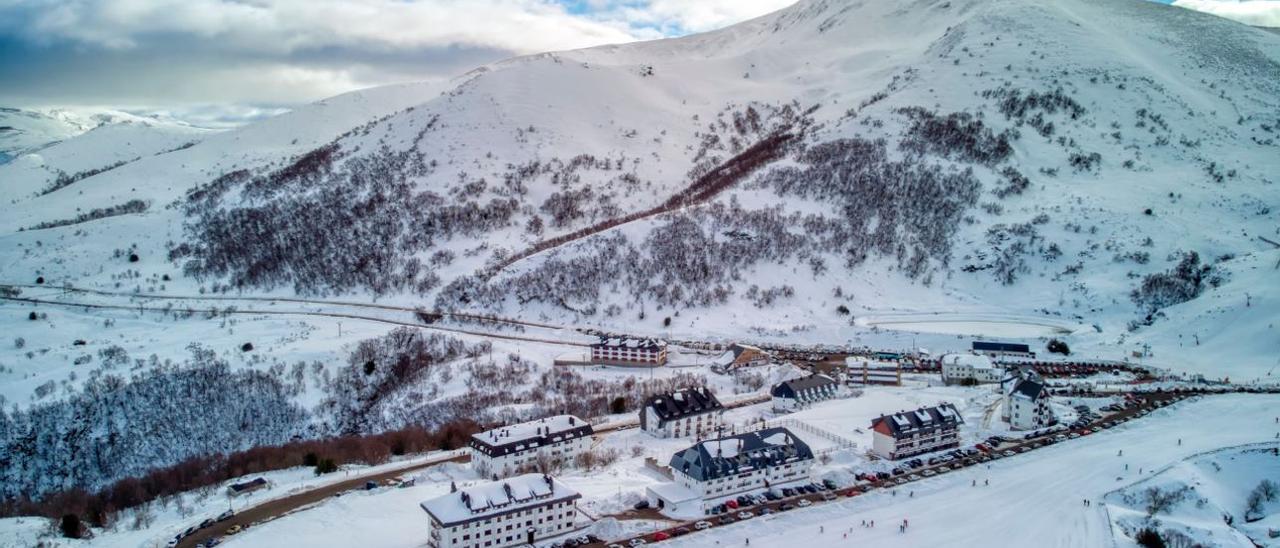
x=911, y=433
x=510, y=512
x=999, y=349
x=715, y=470
x=1026, y=402
x=629, y=351
x=968, y=369
x=683, y=413
x=795, y=394
x=511, y=449
x=237, y=489
x=877, y=370
x=741, y=355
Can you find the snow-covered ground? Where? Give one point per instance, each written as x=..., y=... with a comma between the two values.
x=1034, y=499
x=1201, y=493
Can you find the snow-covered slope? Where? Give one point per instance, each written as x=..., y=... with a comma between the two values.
x=1008, y=157
x=23, y=130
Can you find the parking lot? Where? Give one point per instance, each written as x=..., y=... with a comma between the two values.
x=910, y=470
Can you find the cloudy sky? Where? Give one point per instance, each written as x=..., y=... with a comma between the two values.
x=224, y=61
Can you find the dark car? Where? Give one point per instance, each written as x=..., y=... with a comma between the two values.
x=787, y=506
x=788, y=492
x=642, y=505
x=830, y=484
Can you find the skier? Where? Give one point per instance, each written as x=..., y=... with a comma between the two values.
x=986, y=481
x=1179, y=442
x=822, y=528
x=975, y=483
x=1121, y=453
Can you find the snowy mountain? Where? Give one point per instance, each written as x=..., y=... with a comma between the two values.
x=1012, y=156
x=1102, y=167
x=28, y=131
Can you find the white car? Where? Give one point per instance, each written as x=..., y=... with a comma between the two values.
x=702, y=525
x=637, y=542
x=804, y=502
x=745, y=515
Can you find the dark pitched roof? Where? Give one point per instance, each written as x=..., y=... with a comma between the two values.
x=1001, y=347
x=652, y=345
x=731, y=455
x=1030, y=388
x=923, y=419
x=793, y=387
x=682, y=403
x=519, y=437
x=248, y=485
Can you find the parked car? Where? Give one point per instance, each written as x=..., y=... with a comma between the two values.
x=702, y=525
x=234, y=529
x=641, y=505
x=745, y=515
x=788, y=492
x=828, y=496
x=226, y=515
x=804, y=502
x=681, y=531
x=725, y=520
x=661, y=536
x=637, y=542
x=785, y=507
x=831, y=484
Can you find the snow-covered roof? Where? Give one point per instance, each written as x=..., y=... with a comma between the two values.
x=942, y=416
x=741, y=453
x=518, y=437
x=496, y=498
x=636, y=344
x=673, y=492
x=794, y=387
x=969, y=360
x=682, y=403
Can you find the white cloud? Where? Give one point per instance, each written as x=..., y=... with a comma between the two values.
x=701, y=15
x=1260, y=13
x=285, y=26
x=254, y=54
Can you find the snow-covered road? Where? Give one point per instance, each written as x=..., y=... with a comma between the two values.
x=1032, y=500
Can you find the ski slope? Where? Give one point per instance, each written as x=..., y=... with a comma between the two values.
x=1032, y=500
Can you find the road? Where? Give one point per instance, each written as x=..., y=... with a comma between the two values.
x=1059, y=479
x=296, y=502
x=260, y=312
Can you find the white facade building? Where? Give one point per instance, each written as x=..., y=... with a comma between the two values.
x=514, y=511
x=507, y=450
x=687, y=412
x=795, y=394
x=1026, y=402
x=970, y=369
x=911, y=433
x=632, y=352
x=720, y=469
